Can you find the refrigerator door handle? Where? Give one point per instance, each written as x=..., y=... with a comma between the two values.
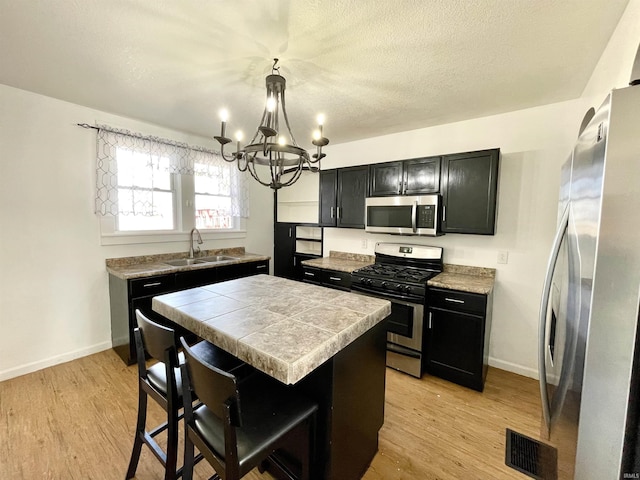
x=544, y=303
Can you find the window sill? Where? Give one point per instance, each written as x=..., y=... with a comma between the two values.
x=166, y=237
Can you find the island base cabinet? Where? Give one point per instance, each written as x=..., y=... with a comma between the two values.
x=349, y=389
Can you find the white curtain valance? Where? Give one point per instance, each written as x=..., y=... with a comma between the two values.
x=183, y=159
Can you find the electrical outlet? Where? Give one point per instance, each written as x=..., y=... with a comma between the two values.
x=364, y=243
x=503, y=256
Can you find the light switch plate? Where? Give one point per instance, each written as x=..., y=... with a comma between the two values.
x=364, y=243
x=503, y=257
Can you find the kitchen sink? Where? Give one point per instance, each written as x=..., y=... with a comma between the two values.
x=216, y=258
x=181, y=262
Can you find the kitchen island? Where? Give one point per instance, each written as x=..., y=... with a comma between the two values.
x=327, y=343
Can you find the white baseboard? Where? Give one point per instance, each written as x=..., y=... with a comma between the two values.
x=55, y=360
x=514, y=368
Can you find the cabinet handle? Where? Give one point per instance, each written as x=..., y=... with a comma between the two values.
x=289, y=232
x=337, y=279
x=309, y=274
x=430, y=316
x=264, y=266
x=454, y=300
x=154, y=284
x=294, y=261
x=444, y=213
x=337, y=212
x=331, y=212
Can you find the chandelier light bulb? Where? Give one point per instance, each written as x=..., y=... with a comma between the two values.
x=317, y=135
x=282, y=140
x=239, y=136
x=320, y=119
x=271, y=104
x=224, y=114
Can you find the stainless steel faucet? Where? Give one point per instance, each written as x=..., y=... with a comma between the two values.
x=193, y=249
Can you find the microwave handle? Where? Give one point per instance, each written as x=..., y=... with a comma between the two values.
x=414, y=216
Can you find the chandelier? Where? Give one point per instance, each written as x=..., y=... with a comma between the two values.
x=273, y=157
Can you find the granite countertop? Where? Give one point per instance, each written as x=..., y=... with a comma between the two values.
x=454, y=277
x=149, y=265
x=466, y=279
x=341, y=261
x=282, y=327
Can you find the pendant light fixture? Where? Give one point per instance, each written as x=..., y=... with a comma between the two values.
x=273, y=156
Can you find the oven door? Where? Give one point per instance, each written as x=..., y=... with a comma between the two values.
x=405, y=326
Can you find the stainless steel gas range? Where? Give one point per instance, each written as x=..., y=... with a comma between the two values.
x=400, y=274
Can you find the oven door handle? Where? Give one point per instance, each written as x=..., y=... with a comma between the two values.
x=387, y=295
x=414, y=216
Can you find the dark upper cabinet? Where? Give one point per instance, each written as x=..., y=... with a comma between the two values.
x=408, y=177
x=469, y=188
x=328, y=189
x=342, y=197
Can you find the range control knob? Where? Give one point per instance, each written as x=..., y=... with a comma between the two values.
x=367, y=281
x=384, y=284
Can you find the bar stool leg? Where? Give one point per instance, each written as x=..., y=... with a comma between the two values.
x=140, y=429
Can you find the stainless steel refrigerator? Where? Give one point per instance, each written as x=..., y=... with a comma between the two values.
x=591, y=298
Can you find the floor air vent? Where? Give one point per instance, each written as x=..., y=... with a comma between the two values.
x=531, y=457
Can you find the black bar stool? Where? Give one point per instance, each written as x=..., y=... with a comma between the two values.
x=162, y=382
x=240, y=424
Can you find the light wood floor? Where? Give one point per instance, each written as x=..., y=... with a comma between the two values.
x=76, y=421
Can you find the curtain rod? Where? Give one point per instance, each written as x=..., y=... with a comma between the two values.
x=164, y=141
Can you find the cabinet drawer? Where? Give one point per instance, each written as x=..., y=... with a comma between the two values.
x=152, y=285
x=341, y=280
x=457, y=301
x=255, y=268
x=312, y=275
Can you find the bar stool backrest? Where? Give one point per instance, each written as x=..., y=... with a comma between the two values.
x=217, y=389
x=158, y=340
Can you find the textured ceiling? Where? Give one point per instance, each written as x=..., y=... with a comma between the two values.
x=372, y=67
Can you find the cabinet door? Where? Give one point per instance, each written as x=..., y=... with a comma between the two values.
x=421, y=175
x=328, y=192
x=469, y=186
x=455, y=347
x=283, y=249
x=352, y=190
x=385, y=179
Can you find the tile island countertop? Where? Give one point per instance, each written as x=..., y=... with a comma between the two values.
x=282, y=327
x=149, y=265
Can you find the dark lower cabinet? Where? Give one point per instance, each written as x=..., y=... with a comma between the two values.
x=327, y=278
x=469, y=187
x=284, y=247
x=458, y=330
x=125, y=296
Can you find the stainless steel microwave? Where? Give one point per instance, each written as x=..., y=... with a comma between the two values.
x=403, y=215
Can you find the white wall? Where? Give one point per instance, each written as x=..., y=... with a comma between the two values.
x=54, y=300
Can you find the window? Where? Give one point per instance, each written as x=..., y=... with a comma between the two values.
x=212, y=185
x=145, y=191
x=159, y=187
